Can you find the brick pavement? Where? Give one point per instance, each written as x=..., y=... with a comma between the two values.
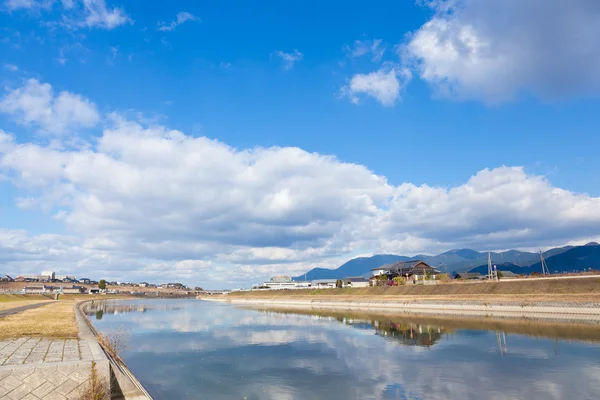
x=49, y=369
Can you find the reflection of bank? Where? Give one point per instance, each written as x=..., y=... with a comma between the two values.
x=99, y=308
x=406, y=334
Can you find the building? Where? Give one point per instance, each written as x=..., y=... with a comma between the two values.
x=508, y=274
x=280, y=282
x=324, y=283
x=413, y=269
x=356, y=282
x=468, y=275
x=6, y=278
x=48, y=275
x=65, y=278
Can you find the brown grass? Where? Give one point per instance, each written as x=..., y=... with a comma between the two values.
x=584, y=289
x=56, y=319
x=113, y=342
x=96, y=387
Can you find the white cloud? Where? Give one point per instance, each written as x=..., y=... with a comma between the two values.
x=383, y=85
x=163, y=203
x=289, y=59
x=78, y=13
x=181, y=18
x=35, y=104
x=28, y=4
x=495, y=51
x=10, y=67
x=97, y=15
x=363, y=47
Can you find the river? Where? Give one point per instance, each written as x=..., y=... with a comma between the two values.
x=191, y=349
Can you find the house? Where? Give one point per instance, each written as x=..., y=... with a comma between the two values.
x=415, y=269
x=143, y=284
x=6, y=278
x=324, y=283
x=74, y=290
x=84, y=280
x=356, y=282
x=468, y=275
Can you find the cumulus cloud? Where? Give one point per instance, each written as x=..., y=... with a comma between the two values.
x=363, y=47
x=289, y=59
x=383, y=85
x=35, y=104
x=163, y=203
x=181, y=18
x=496, y=50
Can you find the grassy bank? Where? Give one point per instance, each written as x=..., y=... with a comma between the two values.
x=54, y=320
x=582, y=289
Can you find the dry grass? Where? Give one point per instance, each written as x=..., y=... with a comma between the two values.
x=96, y=387
x=113, y=341
x=14, y=304
x=584, y=289
x=53, y=320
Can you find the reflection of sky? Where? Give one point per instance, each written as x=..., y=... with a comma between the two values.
x=201, y=350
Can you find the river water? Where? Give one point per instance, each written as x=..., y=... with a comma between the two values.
x=191, y=349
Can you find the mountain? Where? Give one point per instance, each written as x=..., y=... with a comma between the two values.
x=575, y=259
x=567, y=258
x=355, y=267
x=563, y=259
x=507, y=266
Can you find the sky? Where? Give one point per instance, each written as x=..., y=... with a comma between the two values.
x=222, y=143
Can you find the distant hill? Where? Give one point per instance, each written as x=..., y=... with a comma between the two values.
x=567, y=258
x=564, y=259
x=355, y=267
x=507, y=266
x=576, y=259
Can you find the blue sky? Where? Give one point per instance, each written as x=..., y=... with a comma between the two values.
x=417, y=93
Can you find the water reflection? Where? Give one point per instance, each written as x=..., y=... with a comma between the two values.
x=196, y=350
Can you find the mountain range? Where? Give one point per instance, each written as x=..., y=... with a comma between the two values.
x=559, y=259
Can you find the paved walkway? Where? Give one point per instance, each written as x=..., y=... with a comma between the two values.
x=50, y=369
x=11, y=311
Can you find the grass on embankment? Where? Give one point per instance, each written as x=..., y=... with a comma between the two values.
x=581, y=289
x=17, y=300
x=56, y=320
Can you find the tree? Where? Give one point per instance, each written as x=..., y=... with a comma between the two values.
x=102, y=284
x=399, y=280
x=499, y=274
x=338, y=283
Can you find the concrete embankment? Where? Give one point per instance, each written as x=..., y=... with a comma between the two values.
x=126, y=385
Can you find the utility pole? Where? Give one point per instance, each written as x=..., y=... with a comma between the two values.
x=492, y=274
x=545, y=270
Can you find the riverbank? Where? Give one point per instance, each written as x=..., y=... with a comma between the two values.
x=556, y=299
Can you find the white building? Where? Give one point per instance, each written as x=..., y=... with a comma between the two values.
x=356, y=282
x=48, y=275
x=324, y=283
